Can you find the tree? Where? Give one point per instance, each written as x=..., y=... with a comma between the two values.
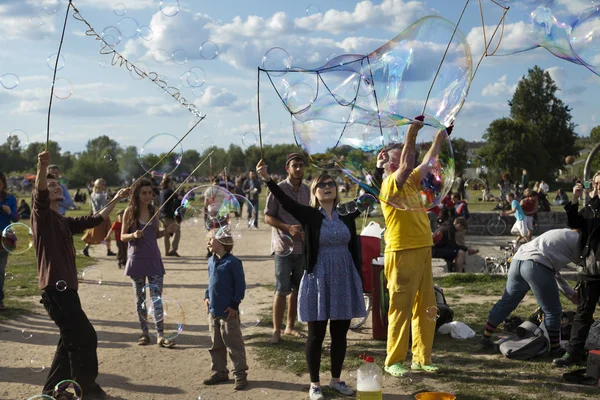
x=460, y=148
x=595, y=134
x=547, y=134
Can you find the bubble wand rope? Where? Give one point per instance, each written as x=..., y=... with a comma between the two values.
x=176, y=190
x=258, y=112
x=62, y=39
x=159, y=161
x=444, y=56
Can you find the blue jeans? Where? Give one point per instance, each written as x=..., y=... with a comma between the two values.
x=3, y=261
x=525, y=275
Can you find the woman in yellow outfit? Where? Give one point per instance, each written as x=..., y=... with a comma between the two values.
x=408, y=255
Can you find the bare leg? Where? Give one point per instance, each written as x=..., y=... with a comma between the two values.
x=278, y=310
x=292, y=311
x=461, y=260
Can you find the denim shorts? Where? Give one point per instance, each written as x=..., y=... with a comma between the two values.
x=288, y=273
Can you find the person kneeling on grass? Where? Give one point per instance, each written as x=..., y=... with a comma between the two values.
x=536, y=266
x=226, y=289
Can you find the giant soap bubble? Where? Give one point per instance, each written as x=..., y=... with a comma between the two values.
x=348, y=110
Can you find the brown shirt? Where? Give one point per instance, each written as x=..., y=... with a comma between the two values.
x=53, y=241
x=275, y=210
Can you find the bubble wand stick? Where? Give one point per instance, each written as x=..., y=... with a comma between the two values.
x=175, y=191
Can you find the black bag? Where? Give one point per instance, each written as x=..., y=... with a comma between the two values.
x=529, y=342
x=446, y=313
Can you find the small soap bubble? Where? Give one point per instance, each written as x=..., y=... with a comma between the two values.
x=249, y=316
x=432, y=313
x=120, y=9
x=18, y=139
x=342, y=209
x=277, y=61
x=36, y=22
x=283, y=245
x=111, y=35
x=207, y=143
x=8, y=276
x=146, y=33
x=92, y=275
x=153, y=154
x=313, y=12
x=179, y=57
x=161, y=55
x=61, y=286
x=9, y=81
x=26, y=334
x=68, y=389
x=106, y=297
x=366, y=202
x=291, y=359
x=102, y=64
x=51, y=6
x=108, y=158
x=17, y=238
x=63, y=89
x=209, y=50
x=311, y=276
x=193, y=78
x=169, y=8
x=128, y=27
x=249, y=139
x=36, y=364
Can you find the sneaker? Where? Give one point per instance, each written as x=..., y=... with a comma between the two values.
x=423, y=367
x=173, y=253
x=86, y=252
x=110, y=253
x=341, y=387
x=314, y=393
x=396, y=370
x=215, y=380
x=486, y=343
x=567, y=360
x=240, y=384
x=558, y=352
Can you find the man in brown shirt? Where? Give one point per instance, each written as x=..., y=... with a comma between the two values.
x=75, y=356
x=288, y=269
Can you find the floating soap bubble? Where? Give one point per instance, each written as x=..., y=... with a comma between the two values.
x=584, y=41
x=102, y=64
x=68, y=389
x=111, y=35
x=120, y=9
x=146, y=33
x=173, y=317
x=366, y=202
x=151, y=291
x=179, y=57
x=241, y=217
x=249, y=139
x=36, y=22
x=277, y=61
x=17, y=238
x=37, y=364
x=8, y=276
x=282, y=245
x=106, y=297
x=18, y=140
x=193, y=78
x=51, y=62
x=155, y=149
x=346, y=208
x=51, y=6
x=209, y=50
x=313, y=12
x=207, y=143
x=432, y=313
x=153, y=310
x=169, y=8
x=61, y=286
x=207, y=396
x=108, y=158
x=9, y=81
x=249, y=316
x=63, y=89
x=128, y=27
x=291, y=359
x=311, y=276
x=41, y=397
x=474, y=184
x=161, y=55
x=299, y=97
x=198, y=91
x=92, y=275
x=26, y=334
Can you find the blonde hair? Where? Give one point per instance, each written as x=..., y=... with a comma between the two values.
x=97, y=184
x=314, y=202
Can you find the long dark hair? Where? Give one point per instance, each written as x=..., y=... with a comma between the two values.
x=134, y=204
x=4, y=191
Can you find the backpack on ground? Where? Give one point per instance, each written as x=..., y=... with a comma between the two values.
x=446, y=313
x=528, y=343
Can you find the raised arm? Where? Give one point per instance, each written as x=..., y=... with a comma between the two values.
x=574, y=219
x=299, y=211
x=41, y=196
x=406, y=163
x=434, y=151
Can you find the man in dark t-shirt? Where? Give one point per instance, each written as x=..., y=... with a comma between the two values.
x=75, y=357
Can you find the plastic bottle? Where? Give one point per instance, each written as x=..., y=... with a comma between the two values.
x=369, y=381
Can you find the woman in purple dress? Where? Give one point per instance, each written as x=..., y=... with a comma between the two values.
x=144, y=261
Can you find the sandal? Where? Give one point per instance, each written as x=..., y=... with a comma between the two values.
x=424, y=367
x=397, y=370
x=162, y=342
x=144, y=340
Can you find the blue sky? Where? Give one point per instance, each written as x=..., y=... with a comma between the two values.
x=108, y=101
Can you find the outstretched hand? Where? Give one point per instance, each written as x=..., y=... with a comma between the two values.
x=261, y=169
x=382, y=158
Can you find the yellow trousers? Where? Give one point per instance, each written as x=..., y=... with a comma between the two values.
x=410, y=284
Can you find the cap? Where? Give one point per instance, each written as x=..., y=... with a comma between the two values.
x=294, y=156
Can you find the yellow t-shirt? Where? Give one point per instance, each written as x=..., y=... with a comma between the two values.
x=405, y=228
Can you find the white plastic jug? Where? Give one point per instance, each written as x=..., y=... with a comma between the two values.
x=369, y=381
x=373, y=230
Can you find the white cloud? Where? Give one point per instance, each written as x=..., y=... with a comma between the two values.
x=392, y=15
x=560, y=76
x=498, y=88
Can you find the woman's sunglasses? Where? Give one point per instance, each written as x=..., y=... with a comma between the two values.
x=323, y=185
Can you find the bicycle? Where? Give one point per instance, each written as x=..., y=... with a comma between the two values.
x=495, y=265
x=356, y=323
x=496, y=226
